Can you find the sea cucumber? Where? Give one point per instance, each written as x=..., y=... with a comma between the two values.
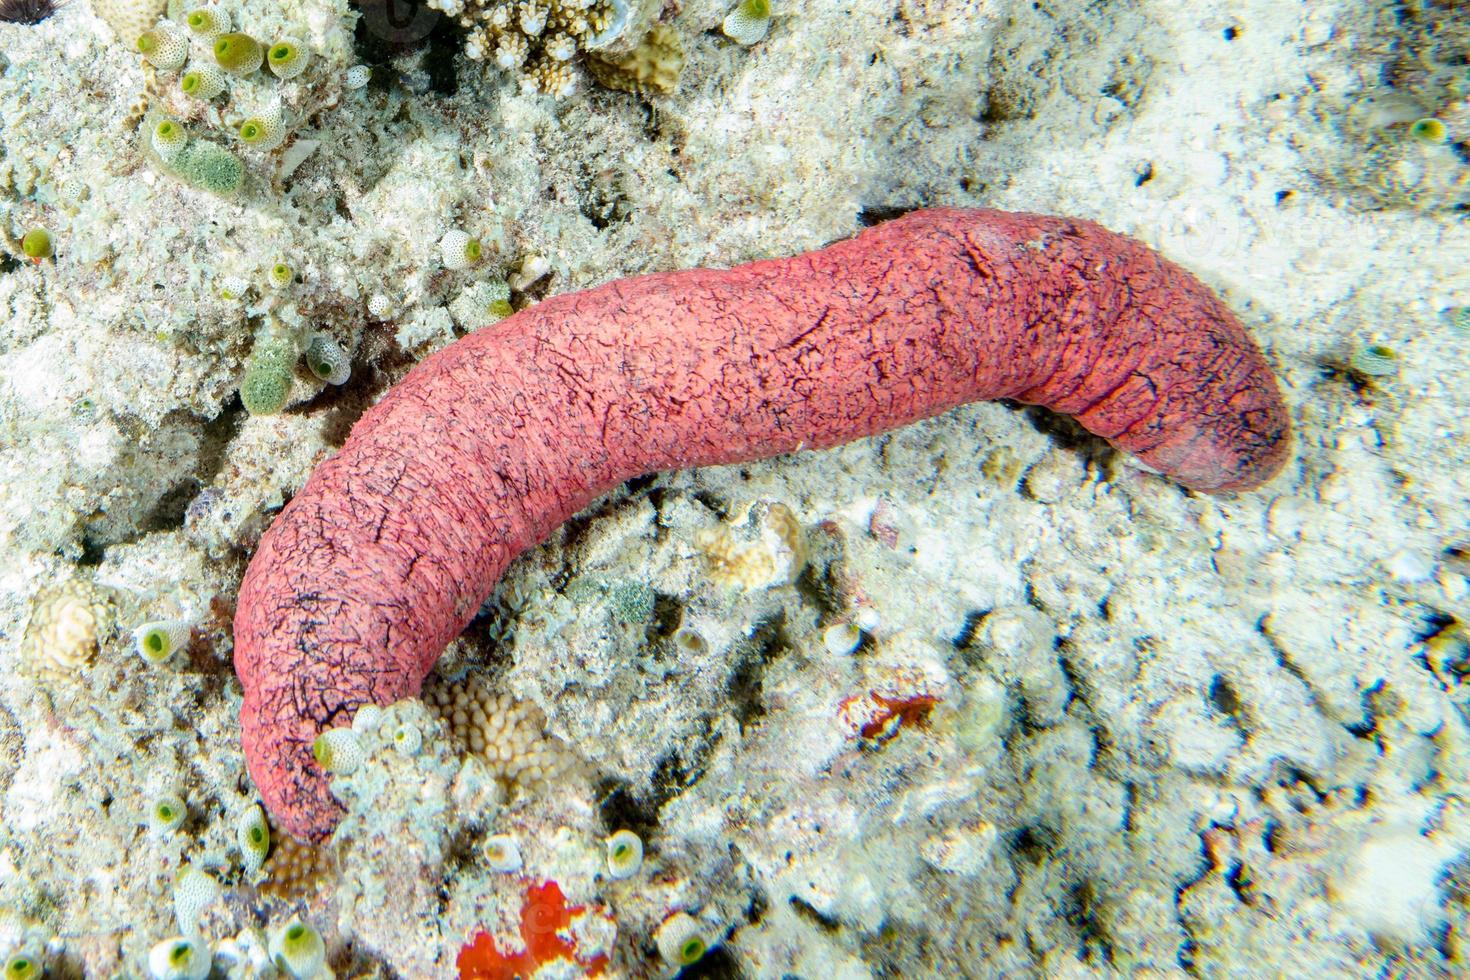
x=488, y=445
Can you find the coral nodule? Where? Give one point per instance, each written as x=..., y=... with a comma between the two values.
x=908, y=319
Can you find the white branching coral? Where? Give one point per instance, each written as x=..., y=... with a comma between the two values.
x=508, y=735
x=538, y=37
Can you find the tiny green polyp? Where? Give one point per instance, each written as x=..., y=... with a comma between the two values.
x=154, y=644
x=238, y=53
x=1429, y=130
x=203, y=22
x=22, y=967
x=37, y=244
x=692, y=951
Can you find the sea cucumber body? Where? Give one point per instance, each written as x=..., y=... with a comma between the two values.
x=393, y=544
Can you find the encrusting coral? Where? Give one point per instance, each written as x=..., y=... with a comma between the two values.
x=67, y=622
x=294, y=870
x=761, y=547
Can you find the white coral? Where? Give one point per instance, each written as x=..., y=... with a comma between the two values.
x=129, y=18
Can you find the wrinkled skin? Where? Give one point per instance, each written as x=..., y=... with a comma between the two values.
x=390, y=548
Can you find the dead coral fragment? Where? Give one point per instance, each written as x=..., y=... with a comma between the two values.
x=508, y=735
x=651, y=68
x=760, y=548
x=66, y=622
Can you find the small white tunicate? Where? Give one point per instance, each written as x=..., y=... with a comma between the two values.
x=748, y=23
x=457, y=250
x=339, y=750
x=624, y=854
x=327, y=360
x=298, y=951
x=194, y=891
x=369, y=719
x=166, y=814
x=157, y=641
x=842, y=639
x=681, y=940
x=179, y=958
x=502, y=853
x=357, y=76
x=253, y=834
x=232, y=288
x=867, y=619
x=408, y=739
x=533, y=267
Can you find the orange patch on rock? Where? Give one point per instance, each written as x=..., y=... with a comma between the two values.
x=545, y=923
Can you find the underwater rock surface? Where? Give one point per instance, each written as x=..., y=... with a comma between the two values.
x=1000, y=702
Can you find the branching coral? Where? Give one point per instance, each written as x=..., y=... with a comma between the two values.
x=540, y=38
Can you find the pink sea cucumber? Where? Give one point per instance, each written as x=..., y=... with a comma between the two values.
x=390, y=548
